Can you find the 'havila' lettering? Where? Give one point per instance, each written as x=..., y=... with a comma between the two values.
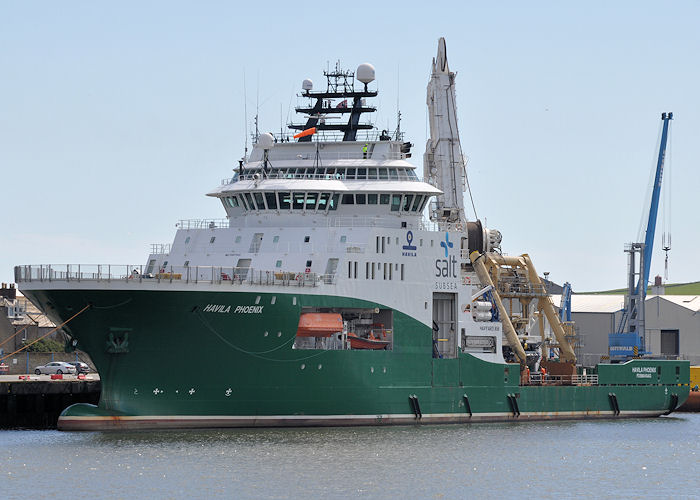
x=217, y=308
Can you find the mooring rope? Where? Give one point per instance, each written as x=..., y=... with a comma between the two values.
x=45, y=335
x=13, y=336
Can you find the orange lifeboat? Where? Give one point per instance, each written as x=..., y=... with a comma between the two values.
x=363, y=343
x=319, y=324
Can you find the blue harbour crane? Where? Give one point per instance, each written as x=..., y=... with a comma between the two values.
x=628, y=342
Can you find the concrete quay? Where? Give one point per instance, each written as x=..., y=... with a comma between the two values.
x=37, y=402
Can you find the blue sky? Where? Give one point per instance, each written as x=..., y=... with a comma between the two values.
x=116, y=119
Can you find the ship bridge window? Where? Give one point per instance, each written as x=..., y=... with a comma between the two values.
x=407, y=199
x=372, y=173
x=360, y=199
x=395, y=202
x=249, y=200
x=348, y=199
x=372, y=199
x=259, y=201
x=393, y=174
x=416, y=203
x=403, y=174
x=298, y=201
x=334, y=201
x=361, y=173
x=271, y=199
x=412, y=174
x=285, y=200
x=384, y=199
x=234, y=201
x=323, y=200
x=350, y=174
x=383, y=173
x=311, y=200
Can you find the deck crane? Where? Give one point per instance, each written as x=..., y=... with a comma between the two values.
x=628, y=341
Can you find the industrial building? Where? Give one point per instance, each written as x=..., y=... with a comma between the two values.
x=672, y=325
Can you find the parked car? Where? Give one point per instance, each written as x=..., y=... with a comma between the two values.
x=55, y=367
x=80, y=366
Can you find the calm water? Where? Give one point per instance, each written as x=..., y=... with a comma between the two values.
x=628, y=458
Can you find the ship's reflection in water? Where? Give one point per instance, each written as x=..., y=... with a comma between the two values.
x=629, y=458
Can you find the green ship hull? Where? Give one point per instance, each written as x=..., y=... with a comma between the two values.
x=167, y=360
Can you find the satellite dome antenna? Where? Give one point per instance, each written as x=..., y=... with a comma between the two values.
x=365, y=73
x=266, y=141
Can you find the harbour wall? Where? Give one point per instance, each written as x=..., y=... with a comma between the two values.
x=36, y=404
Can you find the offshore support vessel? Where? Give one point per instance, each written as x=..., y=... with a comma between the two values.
x=326, y=298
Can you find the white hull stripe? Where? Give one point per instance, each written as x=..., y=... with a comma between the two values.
x=184, y=421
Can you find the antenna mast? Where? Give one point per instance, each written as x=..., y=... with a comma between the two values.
x=245, y=118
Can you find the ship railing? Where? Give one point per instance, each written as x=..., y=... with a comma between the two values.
x=519, y=286
x=203, y=223
x=337, y=176
x=160, y=248
x=194, y=274
x=372, y=135
x=547, y=379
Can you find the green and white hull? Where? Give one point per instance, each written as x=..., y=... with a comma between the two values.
x=182, y=367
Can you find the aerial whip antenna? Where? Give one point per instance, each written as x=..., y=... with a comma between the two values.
x=245, y=118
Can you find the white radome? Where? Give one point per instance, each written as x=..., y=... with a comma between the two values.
x=307, y=84
x=266, y=141
x=365, y=73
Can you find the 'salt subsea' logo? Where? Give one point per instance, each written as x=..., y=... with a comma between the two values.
x=409, y=249
x=447, y=267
